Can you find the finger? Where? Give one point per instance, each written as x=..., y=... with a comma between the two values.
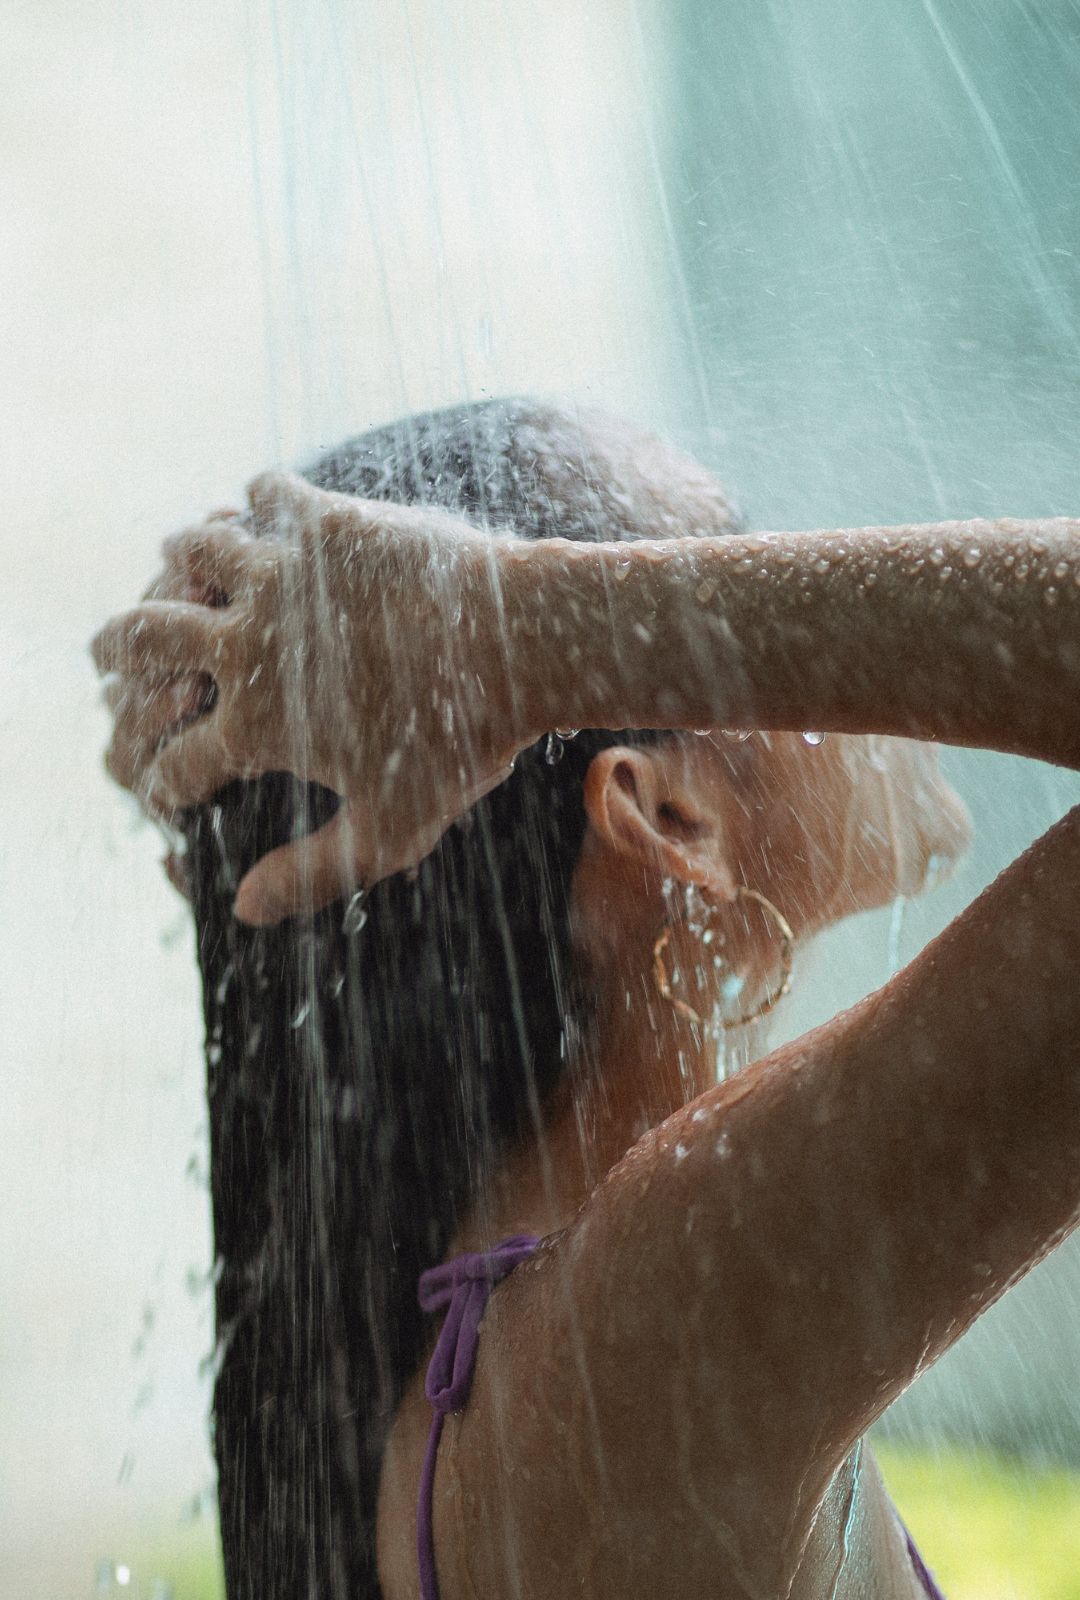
x=423, y=842
x=193, y=766
x=400, y=853
x=312, y=872
x=146, y=712
x=286, y=505
x=129, y=767
x=212, y=561
x=178, y=872
x=484, y=786
x=160, y=639
x=170, y=585
x=283, y=504
x=301, y=877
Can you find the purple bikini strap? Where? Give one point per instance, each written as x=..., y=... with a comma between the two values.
x=461, y=1287
x=922, y=1571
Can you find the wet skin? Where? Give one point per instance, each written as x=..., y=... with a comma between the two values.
x=670, y=1396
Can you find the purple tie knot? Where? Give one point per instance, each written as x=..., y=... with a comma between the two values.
x=462, y=1287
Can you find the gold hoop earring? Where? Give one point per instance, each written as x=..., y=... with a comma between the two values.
x=787, y=943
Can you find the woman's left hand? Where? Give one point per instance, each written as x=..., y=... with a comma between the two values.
x=358, y=645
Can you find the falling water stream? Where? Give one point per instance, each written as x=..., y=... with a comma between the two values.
x=833, y=250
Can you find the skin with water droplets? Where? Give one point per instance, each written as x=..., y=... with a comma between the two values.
x=887, y=604
x=838, y=1129
x=852, y=646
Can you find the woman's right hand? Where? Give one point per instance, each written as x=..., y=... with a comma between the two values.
x=356, y=644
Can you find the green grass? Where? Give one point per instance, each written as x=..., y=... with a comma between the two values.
x=989, y=1528
x=187, y=1562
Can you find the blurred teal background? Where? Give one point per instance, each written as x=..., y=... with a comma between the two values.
x=877, y=212
x=830, y=246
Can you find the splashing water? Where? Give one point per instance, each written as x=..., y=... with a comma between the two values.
x=355, y=916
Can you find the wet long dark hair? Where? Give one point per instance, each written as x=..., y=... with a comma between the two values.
x=360, y=1083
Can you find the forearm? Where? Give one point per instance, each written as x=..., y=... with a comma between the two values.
x=962, y=632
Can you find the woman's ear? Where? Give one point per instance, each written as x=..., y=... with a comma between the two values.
x=639, y=809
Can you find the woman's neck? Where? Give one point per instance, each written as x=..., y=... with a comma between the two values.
x=642, y=1064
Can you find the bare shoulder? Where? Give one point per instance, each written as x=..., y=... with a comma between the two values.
x=624, y=1421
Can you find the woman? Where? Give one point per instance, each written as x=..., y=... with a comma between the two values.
x=735, y=1279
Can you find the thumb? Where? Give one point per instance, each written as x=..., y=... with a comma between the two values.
x=282, y=504
x=300, y=877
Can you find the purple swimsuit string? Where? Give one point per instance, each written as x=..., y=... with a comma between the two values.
x=462, y=1287
x=922, y=1571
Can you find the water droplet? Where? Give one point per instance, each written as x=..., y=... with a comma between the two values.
x=1050, y=596
x=681, y=1151
x=870, y=579
x=355, y=917
x=723, y=1146
x=937, y=870
x=568, y=733
x=813, y=738
x=972, y=556
x=554, y=750
x=731, y=988
x=822, y=564
x=1061, y=569
x=1022, y=571
x=740, y=735
x=704, y=592
x=301, y=1015
x=701, y=733
x=213, y=1054
x=622, y=568
x=936, y=556
x=337, y=983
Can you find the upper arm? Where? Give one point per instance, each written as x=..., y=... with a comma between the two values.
x=774, y=1264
